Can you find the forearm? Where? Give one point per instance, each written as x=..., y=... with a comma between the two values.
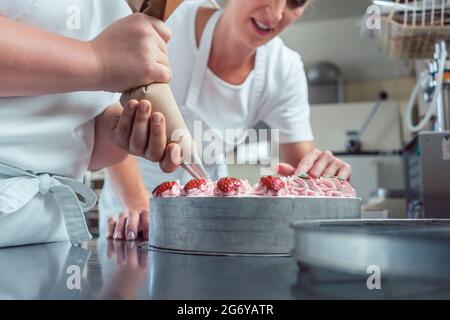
x=127, y=182
x=36, y=62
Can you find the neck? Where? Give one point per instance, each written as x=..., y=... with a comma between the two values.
x=228, y=54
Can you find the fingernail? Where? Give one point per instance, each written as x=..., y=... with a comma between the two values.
x=156, y=118
x=144, y=107
x=116, y=236
x=132, y=105
x=131, y=236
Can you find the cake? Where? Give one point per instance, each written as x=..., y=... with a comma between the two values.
x=302, y=185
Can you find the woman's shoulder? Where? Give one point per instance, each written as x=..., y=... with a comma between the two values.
x=281, y=61
x=190, y=17
x=281, y=55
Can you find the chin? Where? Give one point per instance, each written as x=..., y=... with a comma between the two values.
x=257, y=42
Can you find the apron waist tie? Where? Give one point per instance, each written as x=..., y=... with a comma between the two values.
x=18, y=188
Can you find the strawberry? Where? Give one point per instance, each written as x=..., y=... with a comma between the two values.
x=163, y=187
x=194, y=184
x=229, y=184
x=273, y=183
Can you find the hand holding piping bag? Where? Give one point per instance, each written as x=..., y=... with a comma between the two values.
x=161, y=97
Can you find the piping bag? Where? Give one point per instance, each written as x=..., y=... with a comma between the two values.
x=161, y=97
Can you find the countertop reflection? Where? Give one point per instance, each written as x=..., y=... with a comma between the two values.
x=102, y=269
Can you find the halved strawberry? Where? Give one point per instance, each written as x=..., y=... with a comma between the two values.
x=273, y=183
x=229, y=184
x=163, y=187
x=194, y=184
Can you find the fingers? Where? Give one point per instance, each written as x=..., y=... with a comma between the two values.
x=324, y=159
x=161, y=28
x=345, y=171
x=125, y=125
x=139, y=136
x=308, y=162
x=129, y=226
x=333, y=168
x=285, y=169
x=111, y=227
x=160, y=73
x=172, y=158
x=119, y=232
x=323, y=163
x=132, y=226
x=158, y=139
x=162, y=58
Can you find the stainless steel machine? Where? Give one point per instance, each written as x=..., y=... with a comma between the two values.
x=427, y=156
x=428, y=175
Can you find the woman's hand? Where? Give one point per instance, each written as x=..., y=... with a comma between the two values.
x=129, y=226
x=317, y=164
x=132, y=52
x=138, y=131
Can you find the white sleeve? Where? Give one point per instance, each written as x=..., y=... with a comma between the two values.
x=288, y=108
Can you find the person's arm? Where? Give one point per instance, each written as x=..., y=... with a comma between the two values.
x=35, y=62
x=128, y=184
x=303, y=157
x=129, y=53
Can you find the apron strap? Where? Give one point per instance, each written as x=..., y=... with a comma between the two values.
x=201, y=64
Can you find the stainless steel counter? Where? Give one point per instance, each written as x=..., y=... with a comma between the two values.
x=101, y=269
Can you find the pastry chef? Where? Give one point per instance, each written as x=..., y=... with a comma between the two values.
x=60, y=64
x=230, y=71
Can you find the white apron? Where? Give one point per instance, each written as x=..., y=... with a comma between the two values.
x=41, y=208
x=109, y=203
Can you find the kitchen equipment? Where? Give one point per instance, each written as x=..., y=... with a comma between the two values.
x=238, y=225
x=434, y=85
x=410, y=30
x=354, y=144
x=325, y=83
x=161, y=97
x=427, y=163
x=397, y=248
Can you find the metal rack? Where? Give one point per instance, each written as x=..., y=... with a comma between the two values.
x=412, y=28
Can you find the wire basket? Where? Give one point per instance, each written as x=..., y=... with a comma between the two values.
x=413, y=32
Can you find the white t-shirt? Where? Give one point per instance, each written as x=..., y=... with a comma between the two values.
x=275, y=92
x=55, y=133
